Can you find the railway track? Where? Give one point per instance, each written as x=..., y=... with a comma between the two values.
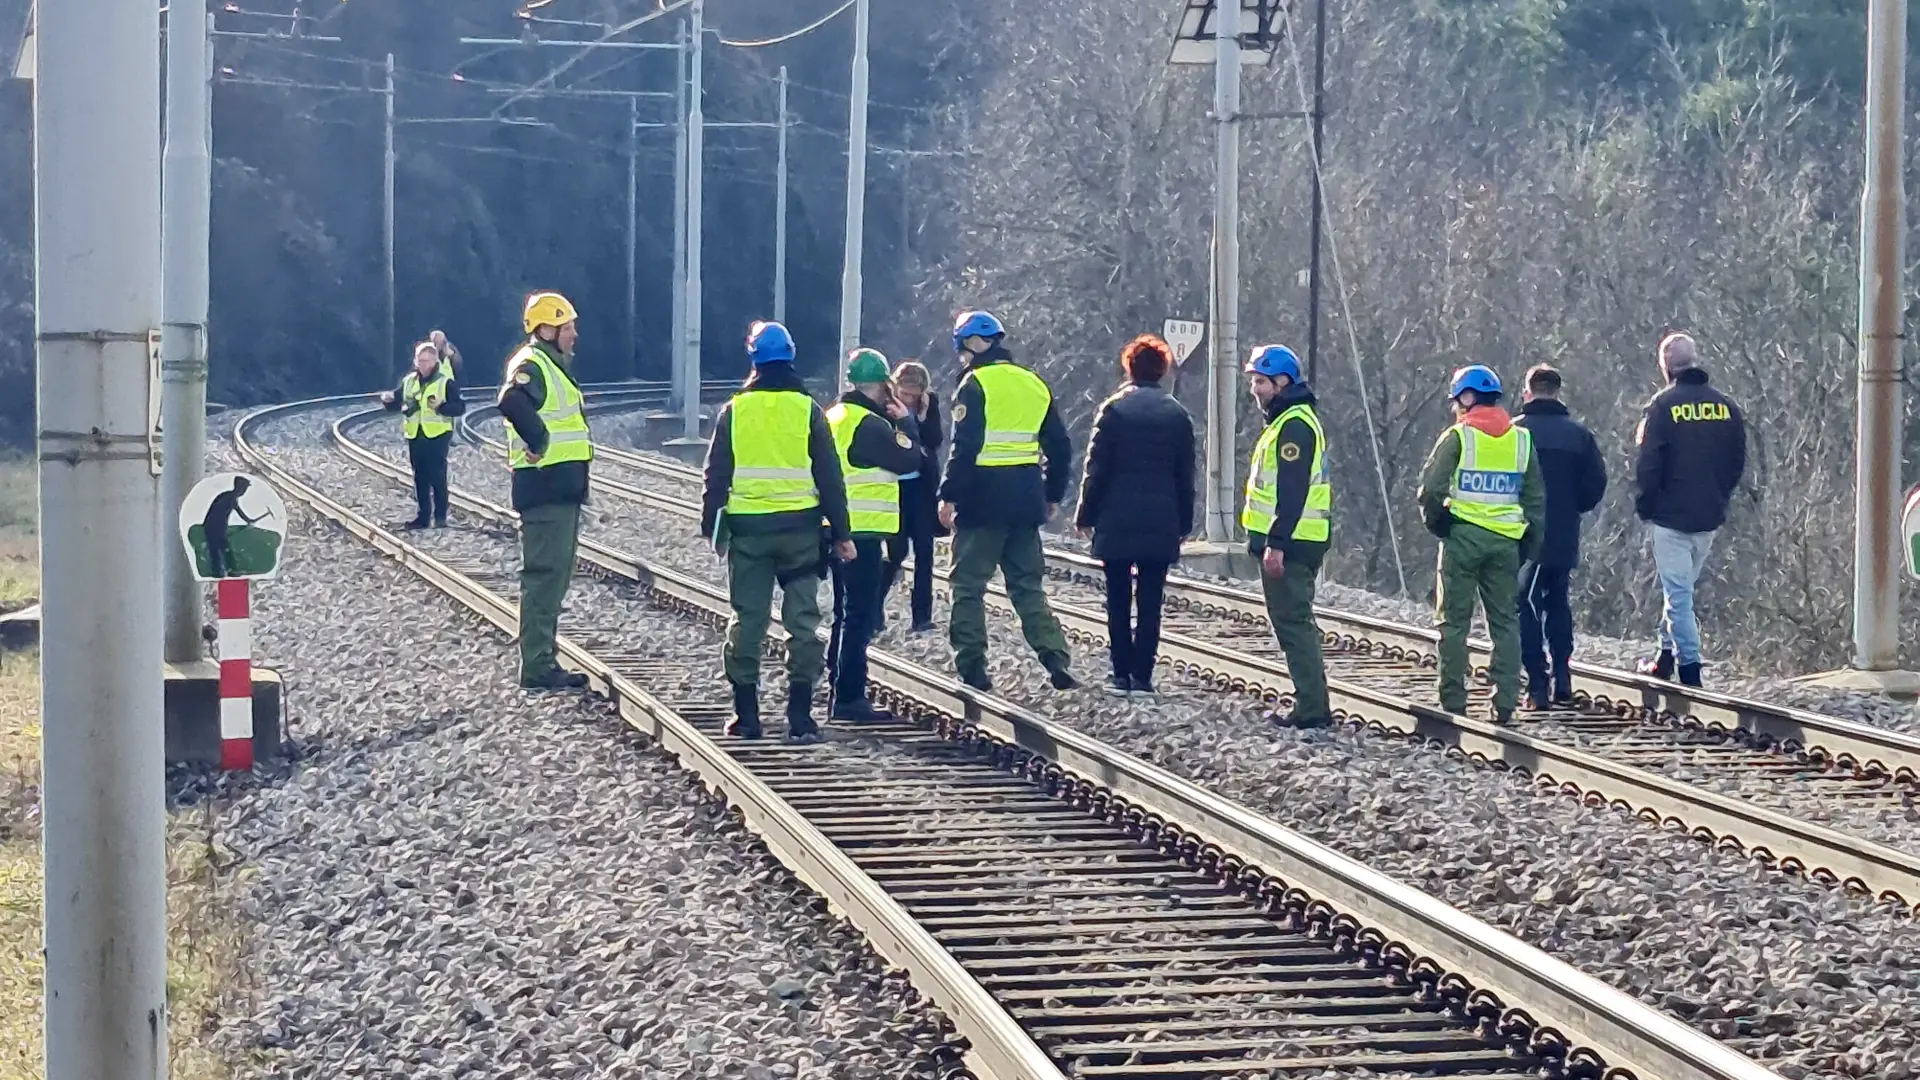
x=1796, y=791
x=1074, y=911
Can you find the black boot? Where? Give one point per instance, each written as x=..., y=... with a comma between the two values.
x=554, y=679
x=1537, y=700
x=800, y=725
x=1661, y=668
x=976, y=678
x=1061, y=678
x=746, y=711
x=1562, y=683
x=1689, y=674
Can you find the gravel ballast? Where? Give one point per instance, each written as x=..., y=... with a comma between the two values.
x=461, y=879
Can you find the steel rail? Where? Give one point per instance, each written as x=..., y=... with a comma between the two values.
x=1766, y=835
x=1624, y=1035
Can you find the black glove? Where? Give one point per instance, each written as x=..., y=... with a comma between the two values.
x=1439, y=524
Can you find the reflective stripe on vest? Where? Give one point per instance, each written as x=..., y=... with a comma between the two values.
x=1263, y=480
x=772, y=470
x=1017, y=401
x=873, y=495
x=430, y=395
x=563, y=412
x=1486, y=485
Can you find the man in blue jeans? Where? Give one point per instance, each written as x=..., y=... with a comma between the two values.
x=1692, y=452
x=1576, y=477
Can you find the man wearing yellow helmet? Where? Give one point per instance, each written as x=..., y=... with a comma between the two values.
x=548, y=448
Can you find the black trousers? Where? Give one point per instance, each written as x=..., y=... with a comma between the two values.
x=856, y=610
x=915, y=535
x=428, y=456
x=1545, y=611
x=1134, y=644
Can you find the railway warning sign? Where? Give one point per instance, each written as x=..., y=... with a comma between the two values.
x=233, y=526
x=1184, y=335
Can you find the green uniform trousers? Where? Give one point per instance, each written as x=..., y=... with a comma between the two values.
x=755, y=564
x=1290, y=609
x=1016, y=553
x=549, y=536
x=1475, y=562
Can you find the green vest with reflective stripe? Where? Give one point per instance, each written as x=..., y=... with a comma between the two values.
x=1017, y=401
x=563, y=412
x=1316, y=516
x=429, y=393
x=772, y=468
x=873, y=495
x=1486, y=485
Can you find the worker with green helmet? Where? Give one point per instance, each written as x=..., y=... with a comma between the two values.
x=1483, y=494
x=549, y=449
x=772, y=476
x=1008, y=473
x=876, y=440
x=427, y=400
x=1288, y=515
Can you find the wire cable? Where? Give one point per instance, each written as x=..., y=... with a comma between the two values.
x=567, y=65
x=802, y=32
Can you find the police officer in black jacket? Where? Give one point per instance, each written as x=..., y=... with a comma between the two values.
x=1692, y=453
x=1576, y=477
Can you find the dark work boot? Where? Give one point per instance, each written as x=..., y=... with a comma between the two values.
x=746, y=711
x=1562, y=683
x=1061, y=678
x=800, y=725
x=976, y=677
x=1689, y=674
x=1537, y=700
x=554, y=679
x=415, y=524
x=1661, y=668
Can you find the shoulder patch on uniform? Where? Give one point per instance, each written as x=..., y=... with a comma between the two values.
x=959, y=413
x=901, y=438
x=523, y=376
x=1289, y=451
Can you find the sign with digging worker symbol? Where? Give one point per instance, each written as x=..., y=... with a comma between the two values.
x=233, y=526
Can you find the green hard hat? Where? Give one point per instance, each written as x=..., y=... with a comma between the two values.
x=866, y=366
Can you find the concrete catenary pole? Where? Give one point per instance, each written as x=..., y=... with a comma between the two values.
x=696, y=159
x=780, y=211
x=393, y=294
x=97, y=299
x=1876, y=546
x=186, y=191
x=633, y=239
x=851, y=281
x=676, y=366
x=1222, y=378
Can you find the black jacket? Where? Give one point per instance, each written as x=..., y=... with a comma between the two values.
x=1136, y=492
x=449, y=408
x=1693, y=451
x=1575, y=473
x=880, y=442
x=563, y=484
x=1294, y=478
x=1002, y=495
x=775, y=379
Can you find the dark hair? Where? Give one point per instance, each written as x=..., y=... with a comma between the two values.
x=1146, y=358
x=1543, y=379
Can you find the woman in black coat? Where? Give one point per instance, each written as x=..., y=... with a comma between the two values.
x=919, y=517
x=1136, y=497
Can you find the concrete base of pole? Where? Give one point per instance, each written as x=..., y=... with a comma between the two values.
x=691, y=451
x=193, y=714
x=1228, y=560
x=1896, y=683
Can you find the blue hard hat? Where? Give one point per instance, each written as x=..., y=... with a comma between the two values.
x=1478, y=378
x=975, y=324
x=1273, y=361
x=769, y=343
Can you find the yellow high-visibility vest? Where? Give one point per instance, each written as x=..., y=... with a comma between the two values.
x=429, y=394
x=1258, y=512
x=1017, y=401
x=1486, y=485
x=772, y=467
x=563, y=412
x=873, y=495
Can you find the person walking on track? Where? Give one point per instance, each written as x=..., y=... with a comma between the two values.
x=549, y=449
x=997, y=495
x=1136, y=501
x=1482, y=493
x=1692, y=453
x=919, y=497
x=772, y=474
x=427, y=400
x=1576, y=479
x=1288, y=515
x=873, y=437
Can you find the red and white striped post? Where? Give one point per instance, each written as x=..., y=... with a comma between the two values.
x=236, y=673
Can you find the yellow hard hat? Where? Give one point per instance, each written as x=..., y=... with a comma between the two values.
x=548, y=309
